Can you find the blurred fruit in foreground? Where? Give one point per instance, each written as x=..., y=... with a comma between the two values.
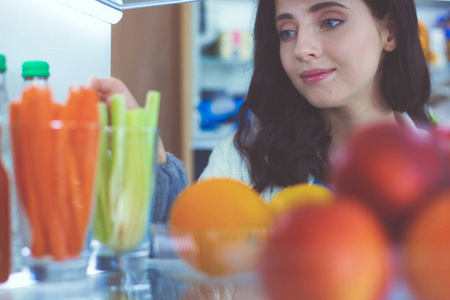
x=336, y=251
x=442, y=134
x=218, y=224
x=299, y=194
x=427, y=250
x=390, y=167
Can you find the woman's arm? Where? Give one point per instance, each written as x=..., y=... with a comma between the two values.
x=170, y=174
x=171, y=179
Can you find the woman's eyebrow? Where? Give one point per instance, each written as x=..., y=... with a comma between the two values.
x=319, y=6
x=283, y=17
x=313, y=9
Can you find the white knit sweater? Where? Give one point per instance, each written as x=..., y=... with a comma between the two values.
x=227, y=161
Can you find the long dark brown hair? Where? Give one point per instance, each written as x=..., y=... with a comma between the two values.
x=284, y=138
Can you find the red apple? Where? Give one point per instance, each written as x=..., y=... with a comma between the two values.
x=442, y=134
x=391, y=168
x=336, y=251
x=427, y=250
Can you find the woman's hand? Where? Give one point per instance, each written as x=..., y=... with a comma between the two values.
x=108, y=86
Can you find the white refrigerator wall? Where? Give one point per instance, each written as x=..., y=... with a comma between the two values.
x=76, y=45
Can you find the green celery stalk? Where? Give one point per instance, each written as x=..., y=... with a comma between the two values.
x=116, y=180
x=102, y=219
x=152, y=105
x=137, y=178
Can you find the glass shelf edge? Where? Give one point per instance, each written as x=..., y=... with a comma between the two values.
x=142, y=4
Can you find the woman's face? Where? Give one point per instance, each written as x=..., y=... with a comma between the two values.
x=331, y=50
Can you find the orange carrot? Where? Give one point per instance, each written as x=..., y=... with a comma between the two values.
x=59, y=175
x=36, y=115
x=26, y=191
x=75, y=203
x=82, y=111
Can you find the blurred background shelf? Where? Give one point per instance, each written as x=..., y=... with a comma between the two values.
x=217, y=62
x=432, y=3
x=186, y=40
x=213, y=72
x=440, y=75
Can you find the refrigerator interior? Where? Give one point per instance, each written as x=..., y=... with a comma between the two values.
x=75, y=44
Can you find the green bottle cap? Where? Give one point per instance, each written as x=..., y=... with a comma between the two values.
x=2, y=63
x=35, y=69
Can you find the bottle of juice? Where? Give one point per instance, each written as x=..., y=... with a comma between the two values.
x=5, y=229
x=5, y=225
x=34, y=73
x=3, y=99
x=3, y=93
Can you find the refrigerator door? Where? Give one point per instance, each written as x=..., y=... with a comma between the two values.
x=128, y=4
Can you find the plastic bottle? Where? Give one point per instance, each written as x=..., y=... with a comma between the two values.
x=3, y=93
x=3, y=101
x=34, y=73
x=5, y=225
x=3, y=104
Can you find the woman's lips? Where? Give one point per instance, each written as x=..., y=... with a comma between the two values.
x=315, y=75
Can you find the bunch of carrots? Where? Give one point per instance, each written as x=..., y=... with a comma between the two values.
x=55, y=150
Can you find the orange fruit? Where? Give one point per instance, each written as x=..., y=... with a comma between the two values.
x=299, y=194
x=217, y=225
x=427, y=250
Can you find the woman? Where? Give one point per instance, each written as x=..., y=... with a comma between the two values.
x=321, y=70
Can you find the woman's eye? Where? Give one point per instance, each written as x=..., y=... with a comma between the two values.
x=331, y=23
x=286, y=34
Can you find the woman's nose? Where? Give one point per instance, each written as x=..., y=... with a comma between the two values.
x=308, y=45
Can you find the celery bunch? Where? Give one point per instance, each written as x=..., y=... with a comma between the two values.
x=125, y=173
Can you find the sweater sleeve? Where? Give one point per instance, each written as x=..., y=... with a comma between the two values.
x=170, y=180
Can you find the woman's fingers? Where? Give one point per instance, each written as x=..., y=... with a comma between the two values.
x=108, y=86
x=161, y=152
